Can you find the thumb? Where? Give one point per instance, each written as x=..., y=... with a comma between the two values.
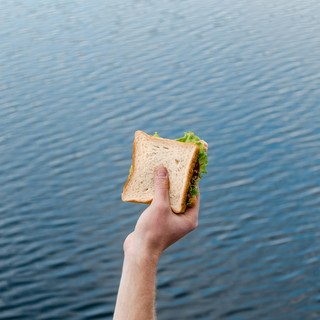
x=161, y=185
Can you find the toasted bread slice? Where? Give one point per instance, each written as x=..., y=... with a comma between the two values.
x=150, y=152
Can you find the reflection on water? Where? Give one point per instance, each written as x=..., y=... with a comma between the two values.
x=77, y=79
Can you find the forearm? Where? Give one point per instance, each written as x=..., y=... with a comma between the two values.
x=137, y=290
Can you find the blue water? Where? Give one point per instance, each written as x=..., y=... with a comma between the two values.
x=77, y=78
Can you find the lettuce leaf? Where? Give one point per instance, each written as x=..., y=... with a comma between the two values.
x=203, y=158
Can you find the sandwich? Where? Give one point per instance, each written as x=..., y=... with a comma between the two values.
x=185, y=160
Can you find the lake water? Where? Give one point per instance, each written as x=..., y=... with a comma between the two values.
x=77, y=78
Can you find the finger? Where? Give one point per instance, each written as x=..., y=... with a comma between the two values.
x=193, y=213
x=161, y=185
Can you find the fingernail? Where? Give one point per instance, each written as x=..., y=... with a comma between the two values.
x=161, y=172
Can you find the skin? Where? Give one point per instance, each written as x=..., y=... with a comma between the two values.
x=156, y=229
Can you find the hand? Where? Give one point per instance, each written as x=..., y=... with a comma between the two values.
x=158, y=226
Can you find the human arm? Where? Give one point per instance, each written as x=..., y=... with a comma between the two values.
x=157, y=228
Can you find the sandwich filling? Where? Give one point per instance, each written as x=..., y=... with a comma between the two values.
x=200, y=166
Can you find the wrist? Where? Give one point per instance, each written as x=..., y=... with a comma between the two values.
x=136, y=250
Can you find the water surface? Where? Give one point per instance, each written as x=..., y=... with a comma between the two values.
x=77, y=78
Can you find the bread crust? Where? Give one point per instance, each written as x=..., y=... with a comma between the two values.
x=142, y=135
x=190, y=174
